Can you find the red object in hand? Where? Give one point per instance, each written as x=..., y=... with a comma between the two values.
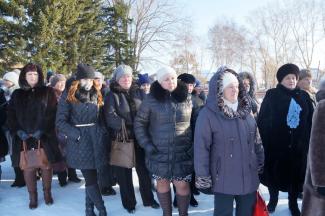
x=260, y=208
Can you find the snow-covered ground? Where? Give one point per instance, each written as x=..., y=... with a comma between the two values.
x=69, y=200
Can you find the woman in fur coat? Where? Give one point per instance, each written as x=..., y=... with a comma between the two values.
x=31, y=118
x=313, y=203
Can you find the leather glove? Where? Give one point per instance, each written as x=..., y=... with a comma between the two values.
x=37, y=134
x=321, y=190
x=22, y=135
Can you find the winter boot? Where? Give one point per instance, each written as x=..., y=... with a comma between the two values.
x=274, y=194
x=165, y=201
x=47, y=181
x=19, y=178
x=193, y=201
x=183, y=203
x=94, y=194
x=72, y=175
x=89, y=206
x=62, y=177
x=30, y=179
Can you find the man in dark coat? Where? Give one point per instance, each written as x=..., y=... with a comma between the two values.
x=284, y=123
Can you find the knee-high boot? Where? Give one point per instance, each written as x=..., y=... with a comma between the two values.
x=274, y=194
x=47, y=181
x=95, y=196
x=30, y=179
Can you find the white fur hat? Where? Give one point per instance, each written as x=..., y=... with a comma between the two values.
x=12, y=77
x=163, y=72
x=228, y=78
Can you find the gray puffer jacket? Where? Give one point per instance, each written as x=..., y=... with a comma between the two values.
x=86, y=147
x=162, y=128
x=227, y=154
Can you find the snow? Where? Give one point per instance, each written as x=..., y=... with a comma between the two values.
x=69, y=200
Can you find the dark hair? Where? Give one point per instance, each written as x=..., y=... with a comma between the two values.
x=27, y=68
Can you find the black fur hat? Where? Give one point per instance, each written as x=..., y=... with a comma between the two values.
x=286, y=69
x=85, y=71
x=187, y=78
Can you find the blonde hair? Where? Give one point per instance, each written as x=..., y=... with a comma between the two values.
x=74, y=87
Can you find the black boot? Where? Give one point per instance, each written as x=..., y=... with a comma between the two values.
x=62, y=177
x=89, y=206
x=165, y=201
x=193, y=201
x=293, y=204
x=108, y=191
x=183, y=203
x=19, y=178
x=94, y=194
x=175, y=202
x=274, y=194
x=72, y=175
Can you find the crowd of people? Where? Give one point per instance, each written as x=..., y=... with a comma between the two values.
x=224, y=144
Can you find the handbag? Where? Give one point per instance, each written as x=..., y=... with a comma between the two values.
x=260, y=208
x=122, y=150
x=33, y=158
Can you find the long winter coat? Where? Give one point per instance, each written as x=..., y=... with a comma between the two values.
x=3, y=117
x=285, y=149
x=314, y=203
x=32, y=109
x=162, y=128
x=226, y=147
x=85, y=147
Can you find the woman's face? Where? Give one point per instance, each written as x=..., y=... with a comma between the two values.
x=169, y=83
x=125, y=81
x=32, y=78
x=230, y=93
x=190, y=87
x=289, y=81
x=146, y=88
x=305, y=83
x=60, y=85
x=86, y=84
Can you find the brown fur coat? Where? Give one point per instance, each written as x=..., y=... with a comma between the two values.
x=313, y=202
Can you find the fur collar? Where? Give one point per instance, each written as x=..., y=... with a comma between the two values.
x=180, y=94
x=116, y=88
x=87, y=96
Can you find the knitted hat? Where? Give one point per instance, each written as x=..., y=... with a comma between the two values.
x=56, y=78
x=304, y=73
x=48, y=75
x=227, y=79
x=286, y=69
x=12, y=77
x=85, y=71
x=187, y=78
x=122, y=70
x=143, y=79
x=163, y=72
x=197, y=83
x=99, y=75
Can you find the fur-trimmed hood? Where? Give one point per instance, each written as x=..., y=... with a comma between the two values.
x=215, y=100
x=24, y=84
x=180, y=94
x=249, y=76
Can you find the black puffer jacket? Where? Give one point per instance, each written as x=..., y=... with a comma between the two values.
x=162, y=128
x=89, y=152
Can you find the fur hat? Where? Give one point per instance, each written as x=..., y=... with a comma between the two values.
x=12, y=77
x=304, y=73
x=85, y=71
x=187, y=78
x=143, y=78
x=164, y=71
x=56, y=78
x=227, y=79
x=122, y=70
x=286, y=69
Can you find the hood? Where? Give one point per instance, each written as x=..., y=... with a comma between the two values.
x=23, y=82
x=215, y=101
x=180, y=94
x=320, y=95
